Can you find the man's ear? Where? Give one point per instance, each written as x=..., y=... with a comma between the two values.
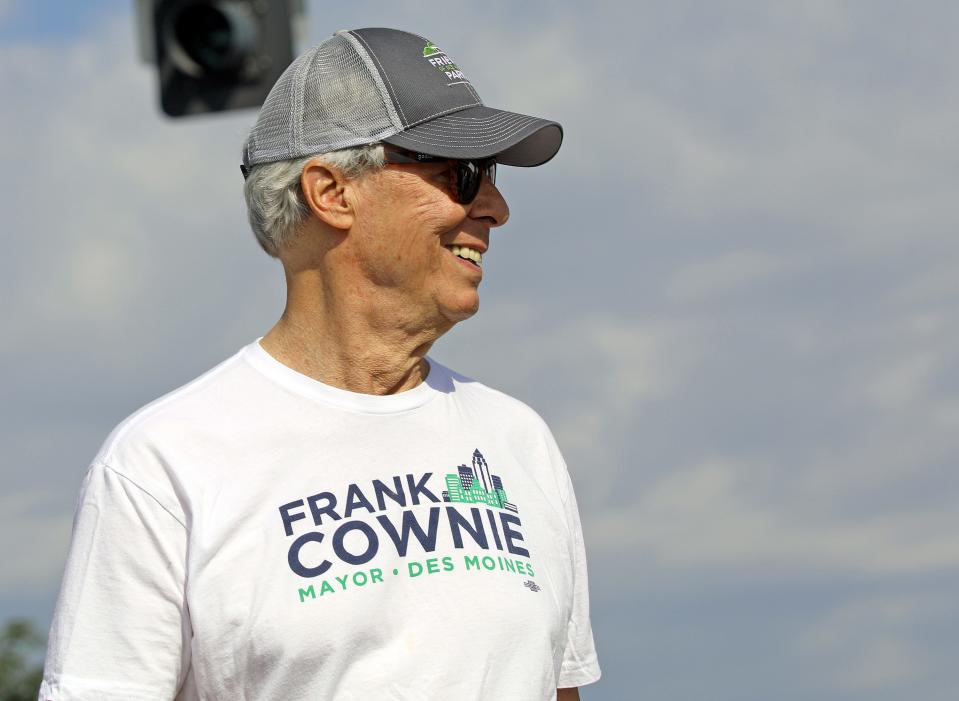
x=328, y=194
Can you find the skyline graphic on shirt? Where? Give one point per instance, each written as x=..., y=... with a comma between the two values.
x=476, y=485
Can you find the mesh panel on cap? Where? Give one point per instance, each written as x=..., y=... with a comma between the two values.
x=325, y=100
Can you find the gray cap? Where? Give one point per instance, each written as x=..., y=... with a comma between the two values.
x=367, y=85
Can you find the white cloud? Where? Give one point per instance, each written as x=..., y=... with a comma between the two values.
x=875, y=642
x=117, y=209
x=720, y=514
x=33, y=541
x=881, y=663
x=903, y=382
x=99, y=278
x=783, y=112
x=937, y=284
x=703, y=279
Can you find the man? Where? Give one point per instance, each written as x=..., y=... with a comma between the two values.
x=331, y=513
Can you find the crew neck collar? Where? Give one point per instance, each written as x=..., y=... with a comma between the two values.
x=306, y=386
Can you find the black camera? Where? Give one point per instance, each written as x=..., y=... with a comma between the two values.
x=215, y=55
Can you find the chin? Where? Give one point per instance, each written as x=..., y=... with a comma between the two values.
x=462, y=311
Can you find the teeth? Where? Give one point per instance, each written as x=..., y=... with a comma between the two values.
x=467, y=253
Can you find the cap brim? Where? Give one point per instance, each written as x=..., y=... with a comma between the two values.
x=482, y=132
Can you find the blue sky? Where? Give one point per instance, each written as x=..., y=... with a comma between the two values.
x=732, y=296
x=49, y=21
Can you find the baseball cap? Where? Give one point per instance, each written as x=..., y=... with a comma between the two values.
x=362, y=86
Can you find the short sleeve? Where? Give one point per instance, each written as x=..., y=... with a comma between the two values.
x=121, y=627
x=580, y=664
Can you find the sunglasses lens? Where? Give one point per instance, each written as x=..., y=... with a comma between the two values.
x=469, y=177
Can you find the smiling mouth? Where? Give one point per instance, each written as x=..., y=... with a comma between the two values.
x=470, y=255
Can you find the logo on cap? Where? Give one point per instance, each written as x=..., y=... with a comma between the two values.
x=441, y=62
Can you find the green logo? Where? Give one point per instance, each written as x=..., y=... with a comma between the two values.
x=476, y=486
x=431, y=49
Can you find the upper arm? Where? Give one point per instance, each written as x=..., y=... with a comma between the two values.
x=121, y=628
x=570, y=694
x=579, y=664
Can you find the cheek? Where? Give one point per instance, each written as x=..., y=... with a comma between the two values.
x=425, y=222
x=437, y=221
x=409, y=219
x=427, y=205
x=400, y=252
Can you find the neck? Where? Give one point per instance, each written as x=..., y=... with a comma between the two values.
x=357, y=342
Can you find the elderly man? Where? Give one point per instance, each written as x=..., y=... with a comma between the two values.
x=331, y=513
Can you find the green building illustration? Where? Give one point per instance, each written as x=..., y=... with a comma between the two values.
x=475, y=485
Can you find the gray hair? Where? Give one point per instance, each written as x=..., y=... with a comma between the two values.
x=274, y=199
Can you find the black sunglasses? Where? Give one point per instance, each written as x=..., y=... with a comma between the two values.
x=466, y=176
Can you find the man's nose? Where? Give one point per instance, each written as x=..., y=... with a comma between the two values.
x=489, y=204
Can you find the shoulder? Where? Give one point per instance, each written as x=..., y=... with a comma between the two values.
x=497, y=412
x=509, y=411
x=515, y=422
x=143, y=446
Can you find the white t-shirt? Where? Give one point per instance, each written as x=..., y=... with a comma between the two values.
x=257, y=534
